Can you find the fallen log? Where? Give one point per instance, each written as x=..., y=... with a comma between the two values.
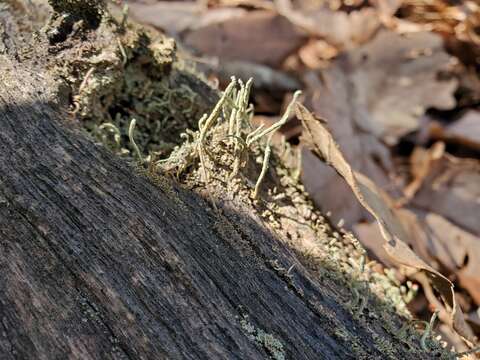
x=99, y=261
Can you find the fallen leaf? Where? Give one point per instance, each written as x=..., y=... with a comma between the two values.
x=266, y=78
x=452, y=189
x=341, y=29
x=396, y=78
x=170, y=16
x=443, y=314
x=262, y=37
x=375, y=92
x=460, y=246
x=320, y=141
x=457, y=21
x=371, y=238
x=329, y=193
x=421, y=162
x=439, y=242
x=177, y=17
x=329, y=95
x=317, y=54
x=418, y=238
x=465, y=131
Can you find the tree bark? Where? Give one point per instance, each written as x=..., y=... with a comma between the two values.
x=98, y=262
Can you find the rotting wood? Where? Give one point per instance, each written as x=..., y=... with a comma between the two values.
x=97, y=262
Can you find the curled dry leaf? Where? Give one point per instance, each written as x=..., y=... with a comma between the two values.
x=459, y=247
x=453, y=338
x=418, y=239
x=320, y=141
x=439, y=242
x=269, y=40
x=330, y=96
x=375, y=92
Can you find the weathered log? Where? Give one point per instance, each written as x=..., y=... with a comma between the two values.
x=99, y=262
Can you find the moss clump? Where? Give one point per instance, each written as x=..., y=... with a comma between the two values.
x=131, y=73
x=90, y=11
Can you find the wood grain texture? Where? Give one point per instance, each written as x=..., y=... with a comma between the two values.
x=97, y=262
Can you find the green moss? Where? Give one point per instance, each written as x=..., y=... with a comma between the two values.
x=132, y=76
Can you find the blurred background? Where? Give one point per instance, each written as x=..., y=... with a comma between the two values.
x=398, y=85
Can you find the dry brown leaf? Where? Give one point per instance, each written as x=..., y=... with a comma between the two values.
x=438, y=242
x=457, y=21
x=460, y=246
x=372, y=239
x=377, y=91
x=447, y=252
x=452, y=190
x=260, y=36
x=448, y=17
x=396, y=78
x=317, y=54
x=176, y=17
x=443, y=314
x=329, y=95
x=330, y=194
x=341, y=29
x=320, y=141
x=465, y=131
x=266, y=78
x=421, y=162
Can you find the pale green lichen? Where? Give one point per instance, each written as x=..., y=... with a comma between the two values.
x=272, y=345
